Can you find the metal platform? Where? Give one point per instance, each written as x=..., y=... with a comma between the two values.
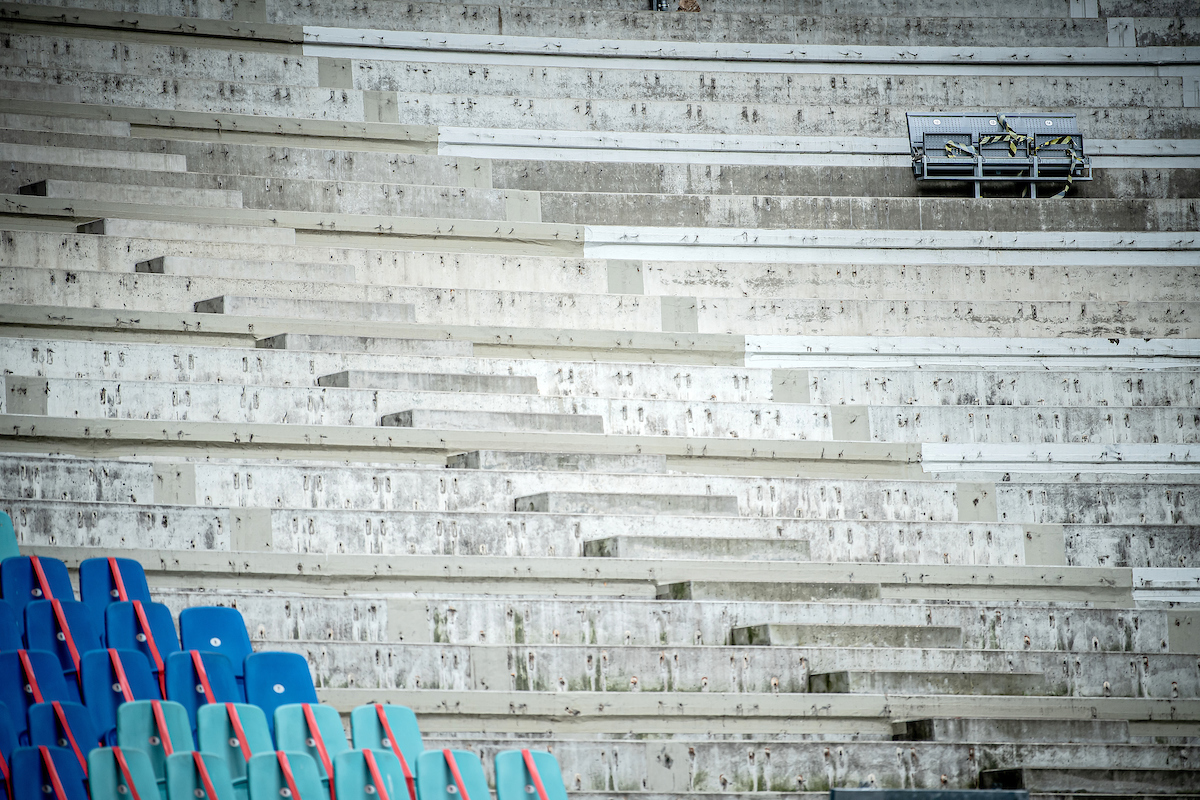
x=1010, y=148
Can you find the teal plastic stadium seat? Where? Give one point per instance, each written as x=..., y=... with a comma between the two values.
x=267, y=781
x=435, y=781
x=515, y=782
x=367, y=731
x=217, y=734
x=138, y=727
x=107, y=781
x=352, y=778
x=8, y=537
x=294, y=734
x=185, y=781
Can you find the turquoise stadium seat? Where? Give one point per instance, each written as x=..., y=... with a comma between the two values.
x=516, y=781
x=369, y=775
x=159, y=728
x=198, y=776
x=217, y=733
x=109, y=779
x=313, y=729
x=8, y=538
x=435, y=779
x=268, y=777
x=368, y=730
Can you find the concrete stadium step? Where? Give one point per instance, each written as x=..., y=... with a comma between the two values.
x=258, y=305
x=372, y=345
x=434, y=419
x=230, y=268
x=564, y=667
x=129, y=193
x=1101, y=504
x=984, y=386
x=83, y=157
x=1063, y=627
x=1147, y=546
x=431, y=382
x=679, y=547
x=76, y=480
x=944, y=282
x=739, y=118
x=902, y=86
x=611, y=503
x=1129, y=781
x=660, y=537
x=847, y=636
x=54, y=124
x=143, y=361
x=156, y=229
x=1010, y=730
x=953, y=683
x=750, y=316
x=557, y=462
x=768, y=592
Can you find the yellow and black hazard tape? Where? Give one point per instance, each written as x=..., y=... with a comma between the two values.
x=1014, y=139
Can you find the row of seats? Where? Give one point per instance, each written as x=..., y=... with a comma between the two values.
x=113, y=773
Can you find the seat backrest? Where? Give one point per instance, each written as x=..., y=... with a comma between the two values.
x=103, y=690
x=57, y=629
x=367, y=731
x=352, y=775
x=267, y=777
x=8, y=733
x=8, y=538
x=98, y=584
x=216, y=629
x=185, y=781
x=10, y=629
x=192, y=688
x=19, y=690
x=68, y=726
x=514, y=780
x=216, y=733
x=20, y=584
x=33, y=770
x=107, y=779
x=277, y=679
x=159, y=728
x=294, y=731
x=125, y=630
x=435, y=781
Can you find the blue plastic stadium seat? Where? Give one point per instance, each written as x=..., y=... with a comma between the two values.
x=514, y=780
x=19, y=689
x=10, y=629
x=98, y=585
x=8, y=743
x=8, y=538
x=108, y=781
x=218, y=630
x=218, y=734
x=353, y=778
x=66, y=725
x=46, y=630
x=186, y=686
x=367, y=731
x=103, y=692
x=277, y=679
x=294, y=732
x=187, y=773
x=124, y=630
x=35, y=768
x=267, y=777
x=435, y=781
x=19, y=584
x=159, y=728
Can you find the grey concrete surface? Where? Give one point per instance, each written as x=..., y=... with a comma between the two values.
x=436, y=419
x=848, y=636
x=365, y=344
x=287, y=307
x=596, y=503
x=432, y=382
x=1005, y=730
x=641, y=546
x=556, y=462
x=957, y=683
